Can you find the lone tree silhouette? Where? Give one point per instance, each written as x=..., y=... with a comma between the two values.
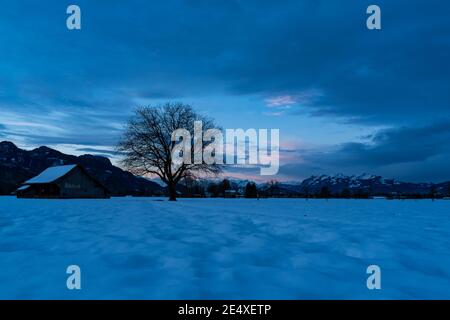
x=250, y=190
x=147, y=144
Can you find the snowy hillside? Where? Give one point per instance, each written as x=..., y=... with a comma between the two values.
x=224, y=248
x=367, y=183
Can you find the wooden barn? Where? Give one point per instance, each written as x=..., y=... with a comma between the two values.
x=63, y=182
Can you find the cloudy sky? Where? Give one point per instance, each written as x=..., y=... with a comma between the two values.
x=346, y=99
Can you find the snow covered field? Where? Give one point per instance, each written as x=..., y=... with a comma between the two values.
x=142, y=248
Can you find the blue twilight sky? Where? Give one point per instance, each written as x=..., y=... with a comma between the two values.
x=346, y=99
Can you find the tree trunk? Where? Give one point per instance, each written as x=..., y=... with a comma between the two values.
x=172, y=191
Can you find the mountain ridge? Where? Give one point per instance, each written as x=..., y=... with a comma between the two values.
x=18, y=165
x=361, y=185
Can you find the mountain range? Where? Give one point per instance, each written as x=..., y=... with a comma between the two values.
x=18, y=165
x=365, y=184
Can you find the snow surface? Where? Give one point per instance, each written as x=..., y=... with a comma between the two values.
x=51, y=174
x=224, y=248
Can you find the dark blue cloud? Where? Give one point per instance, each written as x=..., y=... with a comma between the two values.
x=134, y=51
x=177, y=48
x=410, y=153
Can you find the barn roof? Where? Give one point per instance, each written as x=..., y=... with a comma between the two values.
x=51, y=174
x=22, y=188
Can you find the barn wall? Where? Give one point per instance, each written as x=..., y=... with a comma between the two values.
x=40, y=191
x=79, y=185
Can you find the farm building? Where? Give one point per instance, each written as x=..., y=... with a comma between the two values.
x=63, y=182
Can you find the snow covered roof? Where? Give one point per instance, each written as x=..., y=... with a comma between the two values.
x=23, y=187
x=51, y=174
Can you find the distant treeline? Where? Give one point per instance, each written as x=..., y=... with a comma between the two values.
x=274, y=189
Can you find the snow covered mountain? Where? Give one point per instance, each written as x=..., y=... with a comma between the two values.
x=357, y=185
x=367, y=184
x=17, y=165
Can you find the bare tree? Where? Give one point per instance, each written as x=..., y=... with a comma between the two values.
x=147, y=144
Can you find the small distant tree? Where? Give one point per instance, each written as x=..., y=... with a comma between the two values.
x=346, y=193
x=188, y=182
x=224, y=186
x=213, y=189
x=325, y=192
x=273, y=183
x=251, y=190
x=273, y=187
x=147, y=144
x=433, y=192
x=193, y=186
x=306, y=192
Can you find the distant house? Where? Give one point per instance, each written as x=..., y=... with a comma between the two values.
x=63, y=182
x=379, y=198
x=230, y=194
